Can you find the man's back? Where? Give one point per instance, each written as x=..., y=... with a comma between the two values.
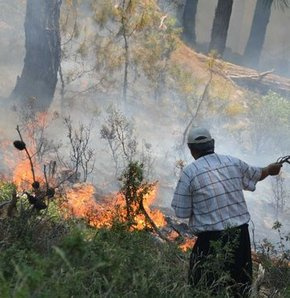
x=209, y=192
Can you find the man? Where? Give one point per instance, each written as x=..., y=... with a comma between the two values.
x=210, y=194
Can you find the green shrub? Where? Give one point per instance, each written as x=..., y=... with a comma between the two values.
x=6, y=191
x=274, y=258
x=93, y=263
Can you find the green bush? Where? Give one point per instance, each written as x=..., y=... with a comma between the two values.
x=6, y=190
x=90, y=263
x=274, y=258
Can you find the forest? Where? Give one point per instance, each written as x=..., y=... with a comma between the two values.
x=97, y=100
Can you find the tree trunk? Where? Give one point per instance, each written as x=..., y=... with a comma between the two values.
x=124, y=30
x=43, y=54
x=189, y=15
x=258, y=32
x=220, y=26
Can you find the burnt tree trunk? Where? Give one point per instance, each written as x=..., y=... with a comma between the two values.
x=189, y=14
x=220, y=26
x=258, y=32
x=43, y=54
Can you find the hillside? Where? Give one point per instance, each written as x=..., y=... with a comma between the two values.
x=86, y=183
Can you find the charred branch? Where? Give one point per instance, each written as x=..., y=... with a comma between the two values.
x=27, y=154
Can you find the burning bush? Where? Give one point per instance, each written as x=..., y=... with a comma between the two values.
x=83, y=202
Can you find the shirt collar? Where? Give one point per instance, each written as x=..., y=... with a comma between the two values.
x=206, y=153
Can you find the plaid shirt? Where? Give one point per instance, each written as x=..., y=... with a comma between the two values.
x=210, y=192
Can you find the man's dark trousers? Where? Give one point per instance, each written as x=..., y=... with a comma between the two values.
x=234, y=243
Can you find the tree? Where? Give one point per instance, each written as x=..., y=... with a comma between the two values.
x=43, y=53
x=189, y=15
x=128, y=15
x=220, y=26
x=257, y=36
x=258, y=32
x=139, y=20
x=134, y=48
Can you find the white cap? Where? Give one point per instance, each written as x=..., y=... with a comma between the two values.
x=198, y=135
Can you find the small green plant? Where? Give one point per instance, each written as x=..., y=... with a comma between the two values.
x=134, y=189
x=275, y=259
x=6, y=190
x=283, y=240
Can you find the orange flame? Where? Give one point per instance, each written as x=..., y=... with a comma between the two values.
x=187, y=244
x=22, y=175
x=81, y=203
x=17, y=165
x=81, y=199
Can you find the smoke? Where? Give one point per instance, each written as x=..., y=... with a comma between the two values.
x=12, y=44
x=159, y=124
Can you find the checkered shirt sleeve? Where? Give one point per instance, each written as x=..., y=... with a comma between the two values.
x=251, y=176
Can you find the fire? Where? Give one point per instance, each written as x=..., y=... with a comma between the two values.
x=22, y=175
x=81, y=202
x=17, y=165
x=187, y=244
x=81, y=199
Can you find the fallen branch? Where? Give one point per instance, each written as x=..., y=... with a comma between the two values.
x=258, y=76
x=151, y=222
x=249, y=78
